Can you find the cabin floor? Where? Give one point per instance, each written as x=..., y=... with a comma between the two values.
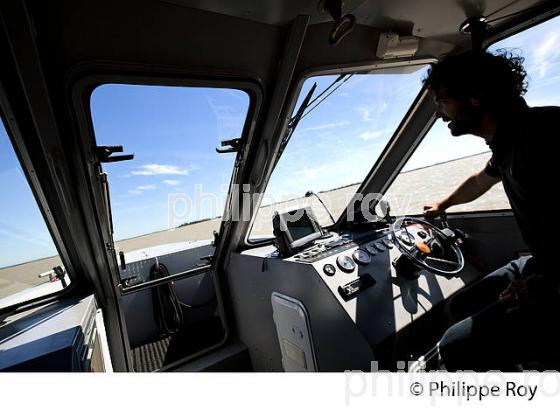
x=169, y=349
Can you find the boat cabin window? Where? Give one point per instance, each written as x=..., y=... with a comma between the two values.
x=336, y=140
x=30, y=266
x=175, y=187
x=441, y=162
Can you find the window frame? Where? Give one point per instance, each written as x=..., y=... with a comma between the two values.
x=86, y=85
x=291, y=106
x=252, y=90
x=522, y=26
x=7, y=117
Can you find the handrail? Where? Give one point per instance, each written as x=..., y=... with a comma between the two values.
x=162, y=281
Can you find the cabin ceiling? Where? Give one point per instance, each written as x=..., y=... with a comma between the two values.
x=435, y=19
x=243, y=38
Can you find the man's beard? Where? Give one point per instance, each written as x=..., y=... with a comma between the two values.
x=467, y=123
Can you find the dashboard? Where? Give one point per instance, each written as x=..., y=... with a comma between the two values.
x=359, y=272
x=353, y=295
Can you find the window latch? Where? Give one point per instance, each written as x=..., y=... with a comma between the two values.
x=105, y=154
x=209, y=259
x=232, y=145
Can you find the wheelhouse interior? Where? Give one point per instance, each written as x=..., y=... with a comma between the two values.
x=271, y=109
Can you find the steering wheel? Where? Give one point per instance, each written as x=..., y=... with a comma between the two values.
x=427, y=246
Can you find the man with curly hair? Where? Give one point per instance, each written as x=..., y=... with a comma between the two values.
x=503, y=319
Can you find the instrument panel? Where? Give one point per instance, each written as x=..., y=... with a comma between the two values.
x=349, y=275
x=350, y=253
x=360, y=274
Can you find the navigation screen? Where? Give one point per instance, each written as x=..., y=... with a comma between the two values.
x=300, y=228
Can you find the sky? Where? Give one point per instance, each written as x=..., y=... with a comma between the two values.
x=173, y=133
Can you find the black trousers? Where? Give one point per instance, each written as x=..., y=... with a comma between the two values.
x=492, y=335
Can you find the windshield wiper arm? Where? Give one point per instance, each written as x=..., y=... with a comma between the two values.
x=292, y=124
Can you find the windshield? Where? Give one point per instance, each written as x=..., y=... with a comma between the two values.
x=337, y=141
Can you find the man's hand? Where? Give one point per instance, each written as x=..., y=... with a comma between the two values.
x=472, y=188
x=517, y=289
x=434, y=209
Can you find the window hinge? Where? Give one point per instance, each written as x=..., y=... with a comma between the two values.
x=104, y=154
x=233, y=145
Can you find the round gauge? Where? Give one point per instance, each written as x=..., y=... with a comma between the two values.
x=388, y=243
x=372, y=250
x=406, y=238
x=379, y=246
x=345, y=263
x=361, y=257
x=329, y=269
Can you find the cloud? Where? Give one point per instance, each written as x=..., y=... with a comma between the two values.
x=309, y=173
x=157, y=169
x=369, y=135
x=146, y=187
x=327, y=126
x=546, y=53
x=134, y=192
x=367, y=111
x=171, y=182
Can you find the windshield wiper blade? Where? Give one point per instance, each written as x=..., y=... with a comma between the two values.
x=306, y=103
x=346, y=77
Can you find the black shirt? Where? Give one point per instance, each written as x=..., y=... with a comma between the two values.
x=524, y=157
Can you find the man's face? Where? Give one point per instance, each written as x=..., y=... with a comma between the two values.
x=462, y=115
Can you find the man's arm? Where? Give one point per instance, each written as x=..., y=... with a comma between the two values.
x=472, y=188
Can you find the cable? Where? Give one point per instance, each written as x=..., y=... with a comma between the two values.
x=309, y=193
x=200, y=305
x=167, y=306
x=502, y=8
x=340, y=77
x=328, y=95
x=511, y=14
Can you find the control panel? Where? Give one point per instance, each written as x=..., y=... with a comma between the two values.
x=323, y=249
x=344, y=263
x=352, y=264
x=353, y=273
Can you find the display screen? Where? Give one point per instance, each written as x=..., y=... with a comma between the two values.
x=300, y=228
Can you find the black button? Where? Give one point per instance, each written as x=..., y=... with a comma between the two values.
x=329, y=269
